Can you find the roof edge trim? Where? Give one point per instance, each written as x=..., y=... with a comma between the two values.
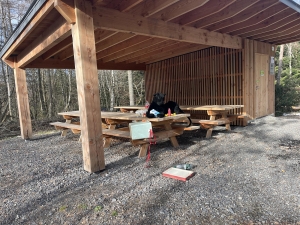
x=32, y=10
x=291, y=4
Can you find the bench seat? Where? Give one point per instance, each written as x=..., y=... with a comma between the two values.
x=116, y=133
x=213, y=122
x=76, y=128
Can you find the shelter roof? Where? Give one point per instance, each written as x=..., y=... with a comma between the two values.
x=132, y=33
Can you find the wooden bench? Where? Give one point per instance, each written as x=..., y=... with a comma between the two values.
x=185, y=127
x=210, y=124
x=74, y=127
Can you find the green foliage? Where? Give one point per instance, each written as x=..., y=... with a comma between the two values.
x=82, y=206
x=286, y=95
x=63, y=208
x=114, y=213
x=98, y=208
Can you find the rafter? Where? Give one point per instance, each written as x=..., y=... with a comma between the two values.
x=169, y=49
x=49, y=38
x=254, y=29
x=259, y=18
x=275, y=24
x=208, y=9
x=58, y=48
x=100, y=35
x=127, y=5
x=177, y=52
x=228, y=12
x=150, y=7
x=122, y=46
x=287, y=40
x=281, y=34
x=244, y=15
x=177, y=9
x=31, y=26
x=66, y=9
x=133, y=57
x=159, y=48
x=276, y=32
x=115, y=39
x=113, y=20
x=69, y=64
x=124, y=54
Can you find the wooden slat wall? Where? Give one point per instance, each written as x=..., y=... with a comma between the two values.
x=214, y=76
x=211, y=76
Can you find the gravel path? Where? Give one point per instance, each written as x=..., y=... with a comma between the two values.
x=247, y=176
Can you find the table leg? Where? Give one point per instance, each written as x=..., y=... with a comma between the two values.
x=107, y=140
x=143, y=150
x=224, y=116
x=64, y=132
x=173, y=138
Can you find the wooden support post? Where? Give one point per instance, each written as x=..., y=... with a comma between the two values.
x=23, y=103
x=88, y=87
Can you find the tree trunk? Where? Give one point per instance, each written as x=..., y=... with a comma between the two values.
x=42, y=99
x=70, y=91
x=280, y=64
x=50, y=108
x=290, y=58
x=111, y=91
x=130, y=86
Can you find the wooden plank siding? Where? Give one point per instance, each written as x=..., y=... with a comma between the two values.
x=217, y=76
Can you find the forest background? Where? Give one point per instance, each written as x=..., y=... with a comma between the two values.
x=54, y=90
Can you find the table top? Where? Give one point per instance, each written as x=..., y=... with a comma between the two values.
x=189, y=107
x=127, y=116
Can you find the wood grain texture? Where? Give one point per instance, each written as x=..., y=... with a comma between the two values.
x=23, y=103
x=87, y=87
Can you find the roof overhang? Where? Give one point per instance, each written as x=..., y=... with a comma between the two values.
x=132, y=34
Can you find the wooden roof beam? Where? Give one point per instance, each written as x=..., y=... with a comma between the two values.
x=121, y=46
x=43, y=12
x=156, y=43
x=228, y=12
x=58, y=48
x=274, y=24
x=208, y=9
x=57, y=32
x=150, y=7
x=281, y=18
x=100, y=35
x=127, y=5
x=244, y=15
x=287, y=40
x=256, y=19
x=124, y=54
x=178, y=9
x=114, y=40
x=284, y=34
x=159, y=48
x=280, y=31
x=69, y=64
x=177, y=52
x=167, y=50
x=66, y=9
x=114, y=20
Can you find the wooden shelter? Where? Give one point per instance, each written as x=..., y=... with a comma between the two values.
x=197, y=51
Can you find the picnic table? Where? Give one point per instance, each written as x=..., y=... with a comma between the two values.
x=110, y=120
x=212, y=111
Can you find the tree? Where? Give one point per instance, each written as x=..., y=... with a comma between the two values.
x=130, y=87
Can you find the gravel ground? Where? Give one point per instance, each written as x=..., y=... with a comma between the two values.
x=249, y=175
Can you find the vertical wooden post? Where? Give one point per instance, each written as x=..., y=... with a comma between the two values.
x=88, y=87
x=23, y=103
